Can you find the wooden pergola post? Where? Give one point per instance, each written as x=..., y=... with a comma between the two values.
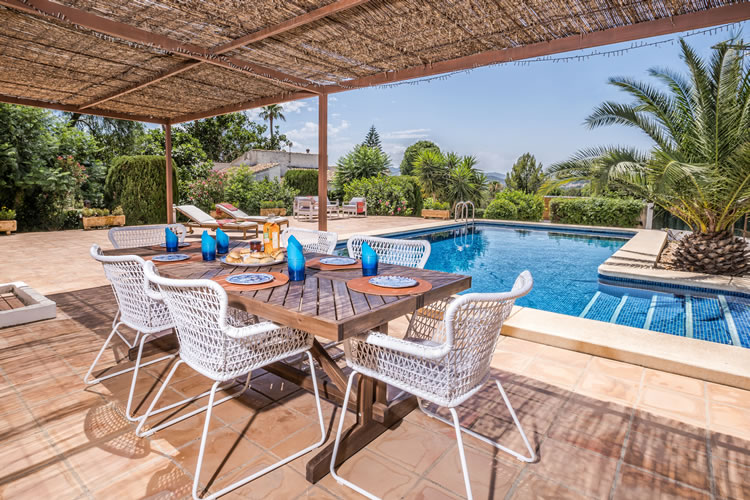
x=323, y=162
x=168, y=159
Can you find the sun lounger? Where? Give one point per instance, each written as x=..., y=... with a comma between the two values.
x=237, y=214
x=200, y=219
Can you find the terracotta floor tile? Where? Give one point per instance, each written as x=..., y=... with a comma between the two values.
x=517, y=345
x=62, y=407
x=23, y=453
x=510, y=361
x=280, y=484
x=225, y=451
x=317, y=493
x=724, y=416
x=606, y=388
x=84, y=429
x=271, y=425
x=731, y=479
x=273, y=387
x=634, y=483
x=53, y=387
x=426, y=490
x=300, y=440
x=173, y=437
x=411, y=446
x=674, y=382
x=239, y=408
x=367, y=470
x=581, y=470
x=553, y=373
x=16, y=423
x=53, y=481
x=676, y=405
x=601, y=432
x=304, y=403
x=730, y=448
x=12, y=403
x=565, y=357
x=534, y=487
x=728, y=395
x=681, y=457
x=616, y=369
x=160, y=479
x=46, y=364
x=489, y=478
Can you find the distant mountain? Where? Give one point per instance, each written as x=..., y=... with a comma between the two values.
x=495, y=176
x=394, y=171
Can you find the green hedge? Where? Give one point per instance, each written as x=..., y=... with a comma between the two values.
x=596, y=211
x=386, y=195
x=138, y=184
x=304, y=180
x=501, y=209
x=245, y=192
x=528, y=207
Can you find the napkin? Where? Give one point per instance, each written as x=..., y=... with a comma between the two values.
x=222, y=241
x=170, y=239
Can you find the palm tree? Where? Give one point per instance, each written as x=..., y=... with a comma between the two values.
x=360, y=163
x=430, y=168
x=699, y=166
x=271, y=113
x=462, y=185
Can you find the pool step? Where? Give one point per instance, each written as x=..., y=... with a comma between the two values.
x=602, y=307
x=634, y=312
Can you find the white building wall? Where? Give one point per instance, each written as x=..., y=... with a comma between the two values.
x=285, y=159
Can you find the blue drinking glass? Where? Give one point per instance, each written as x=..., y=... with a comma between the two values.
x=171, y=240
x=295, y=259
x=208, y=246
x=222, y=242
x=369, y=261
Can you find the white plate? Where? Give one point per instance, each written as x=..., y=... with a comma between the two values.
x=338, y=261
x=242, y=264
x=183, y=244
x=170, y=257
x=393, y=281
x=250, y=279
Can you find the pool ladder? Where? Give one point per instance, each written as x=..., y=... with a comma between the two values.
x=461, y=212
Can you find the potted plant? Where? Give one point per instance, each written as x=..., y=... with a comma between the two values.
x=436, y=209
x=101, y=217
x=272, y=208
x=7, y=220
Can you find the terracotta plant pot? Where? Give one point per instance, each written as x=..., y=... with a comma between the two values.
x=104, y=221
x=436, y=214
x=8, y=226
x=273, y=211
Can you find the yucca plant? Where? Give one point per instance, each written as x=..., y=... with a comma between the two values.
x=699, y=166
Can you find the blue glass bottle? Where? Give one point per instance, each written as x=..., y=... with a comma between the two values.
x=222, y=242
x=369, y=261
x=295, y=259
x=172, y=243
x=208, y=247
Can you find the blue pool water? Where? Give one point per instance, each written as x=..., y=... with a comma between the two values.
x=564, y=265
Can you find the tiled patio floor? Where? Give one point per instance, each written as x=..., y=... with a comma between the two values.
x=602, y=429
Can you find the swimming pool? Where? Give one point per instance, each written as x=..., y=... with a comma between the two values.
x=564, y=264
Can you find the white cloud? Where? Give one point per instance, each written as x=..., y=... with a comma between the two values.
x=306, y=137
x=294, y=106
x=415, y=133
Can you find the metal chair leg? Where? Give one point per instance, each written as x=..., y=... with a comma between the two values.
x=235, y=485
x=462, y=453
x=135, y=369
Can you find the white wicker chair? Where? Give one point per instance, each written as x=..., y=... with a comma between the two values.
x=144, y=236
x=410, y=253
x=311, y=240
x=135, y=309
x=222, y=348
x=444, y=359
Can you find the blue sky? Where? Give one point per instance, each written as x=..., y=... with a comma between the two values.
x=495, y=113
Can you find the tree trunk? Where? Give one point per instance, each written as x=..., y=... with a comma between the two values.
x=713, y=253
x=270, y=121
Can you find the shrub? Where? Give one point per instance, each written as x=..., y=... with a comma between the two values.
x=384, y=195
x=72, y=218
x=94, y=212
x=206, y=193
x=138, y=184
x=528, y=206
x=304, y=180
x=244, y=191
x=412, y=190
x=271, y=204
x=501, y=209
x=433, y=204
x=7, y=214
x=596, y=211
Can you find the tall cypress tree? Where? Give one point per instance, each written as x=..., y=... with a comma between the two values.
x=372, y=139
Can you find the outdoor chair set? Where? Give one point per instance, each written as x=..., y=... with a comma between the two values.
x=239, y=221
x=443, y=360
x=307, y=207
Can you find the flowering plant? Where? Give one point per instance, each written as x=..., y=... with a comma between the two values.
x=206, y=193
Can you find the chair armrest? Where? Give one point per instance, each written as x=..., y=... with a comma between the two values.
x=415, y=347
x=250, y=330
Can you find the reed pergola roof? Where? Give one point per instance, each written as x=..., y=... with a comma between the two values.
x=169, y=61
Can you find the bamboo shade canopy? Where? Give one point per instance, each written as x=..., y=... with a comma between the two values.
x=169, y=61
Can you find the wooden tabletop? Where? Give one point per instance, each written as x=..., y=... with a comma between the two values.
x=322, y=304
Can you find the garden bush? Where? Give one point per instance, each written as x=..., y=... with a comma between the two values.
x=528, y=206
x=243, y=191
x=304, y=180
x=433, y=204
x=385, y=195
x=501, y=209
x=206, y=193
x=412, y=189
x=138, y=184
x=272, y=204
x=597, y=211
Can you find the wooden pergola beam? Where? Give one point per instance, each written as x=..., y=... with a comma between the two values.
x=283, y=27
x=137, y=35
x=242, y=106
x=75, y=109
x=685, y=22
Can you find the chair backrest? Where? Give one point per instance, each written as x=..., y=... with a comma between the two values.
x=354, y=201
x=472, y=326
x=231, y=211
x=311, y=240
x=143, y=236
x=200, y=309
x=409, y=253
x=137, y=310
x=194, y=213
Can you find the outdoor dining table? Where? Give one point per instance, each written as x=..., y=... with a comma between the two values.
x=324, y=306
